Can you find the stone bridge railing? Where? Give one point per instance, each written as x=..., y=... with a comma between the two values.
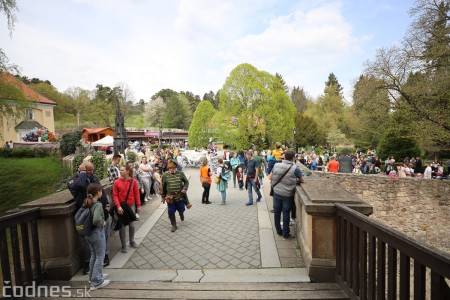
x=418, y=207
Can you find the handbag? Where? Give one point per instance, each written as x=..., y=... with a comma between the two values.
x=217, y=180
x=272, y=186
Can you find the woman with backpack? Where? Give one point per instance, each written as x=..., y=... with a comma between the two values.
x=96, y=238
x=223, y=173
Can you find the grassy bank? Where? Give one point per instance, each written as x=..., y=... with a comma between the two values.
x=26, y=179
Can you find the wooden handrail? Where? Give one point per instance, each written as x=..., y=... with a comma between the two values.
x=376, y=253
x=26, y=247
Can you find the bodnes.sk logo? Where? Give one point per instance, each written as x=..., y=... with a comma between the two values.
x=47, y=291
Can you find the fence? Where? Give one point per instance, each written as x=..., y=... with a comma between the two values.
x=22, y=247
x=374, y=261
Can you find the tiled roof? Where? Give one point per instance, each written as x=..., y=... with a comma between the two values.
x=28, y=92
x=95, y=130
x=30, y=124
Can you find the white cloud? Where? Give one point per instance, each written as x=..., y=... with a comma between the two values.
x=186, y=44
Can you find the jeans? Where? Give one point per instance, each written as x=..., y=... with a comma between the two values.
x=234, y=176
x=147, y=182
x=131, y=230
x=250, y=185
x=224, y=195
x=107, y=228
x=281, y=203
x=97, y=244
x=86, y=247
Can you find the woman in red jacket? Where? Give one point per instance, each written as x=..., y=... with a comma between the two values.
x=123, y=186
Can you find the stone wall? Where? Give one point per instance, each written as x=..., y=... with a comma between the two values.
x=418, y=207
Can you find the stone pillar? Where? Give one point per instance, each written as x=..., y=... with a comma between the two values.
x=316, y=230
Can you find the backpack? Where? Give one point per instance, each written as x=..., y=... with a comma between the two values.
x=83, y=221
x=77, y=187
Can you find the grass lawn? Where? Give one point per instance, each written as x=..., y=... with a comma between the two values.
x=26, y=179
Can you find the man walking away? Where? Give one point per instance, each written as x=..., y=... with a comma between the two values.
x=284, y=177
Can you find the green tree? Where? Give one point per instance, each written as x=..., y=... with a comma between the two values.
x=307, y=131
x=416, y=73
x=212, y=98
x=398, y=139
x=254, y=102
x=370, y=112
x=300, y=99
x=193, y=100
x=330, y=109
x=79, y=99
x=155, y=111
x=333, y=81
x=8, y=7
x=283, y=82
x=201, y=128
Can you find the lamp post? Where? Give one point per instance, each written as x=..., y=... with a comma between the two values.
x=293, y=140
x=160, y=135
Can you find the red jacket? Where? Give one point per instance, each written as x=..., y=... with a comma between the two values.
x=120, y=189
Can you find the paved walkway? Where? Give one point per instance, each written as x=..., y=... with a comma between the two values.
x=217, y=243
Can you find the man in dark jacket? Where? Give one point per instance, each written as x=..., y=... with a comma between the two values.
x=345, y=162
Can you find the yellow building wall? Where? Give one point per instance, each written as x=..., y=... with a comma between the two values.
x=42, y=113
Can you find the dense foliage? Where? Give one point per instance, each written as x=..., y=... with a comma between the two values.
x=69, y=142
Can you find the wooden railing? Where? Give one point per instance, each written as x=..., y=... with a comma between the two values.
x=22, y=246
x=376, y=262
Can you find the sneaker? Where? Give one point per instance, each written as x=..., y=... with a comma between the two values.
x=146, y=200
x=288, y=237
x=106, y=261
x=259, y=199
x=137, y=217
x=292, y=222
x=104, y=276
x=124, y=249
x=133, y=245
x=86, y=269
x=207, y=202
x=249, y=203
x=103, y=284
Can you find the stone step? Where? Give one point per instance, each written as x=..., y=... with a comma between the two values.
x=171, y=290
x=281, y=275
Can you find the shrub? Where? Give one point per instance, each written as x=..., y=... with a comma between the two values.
x=99, y=161
x=131, y=156
x=77, y=162
x=69, y=142
x=26, y=152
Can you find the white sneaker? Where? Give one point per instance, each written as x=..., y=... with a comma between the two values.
x=103, y=284
x=146, y=199
x=137, y=217
x=292, y=222
x=104, y=276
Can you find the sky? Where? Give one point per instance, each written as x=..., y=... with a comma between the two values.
x=193, y=45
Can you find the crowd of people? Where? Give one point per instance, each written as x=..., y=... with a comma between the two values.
x=159, y=174
x=370, y=163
